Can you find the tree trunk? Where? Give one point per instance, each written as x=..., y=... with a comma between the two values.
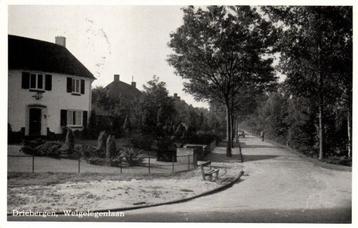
x=320, y=105
x=233, y=130
x=228, y=131
x=349, y=134
x=320, y=133
x=241, y=156
x=238, y=139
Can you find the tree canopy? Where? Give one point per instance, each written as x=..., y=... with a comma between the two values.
x=222, y=51
x=315, y=43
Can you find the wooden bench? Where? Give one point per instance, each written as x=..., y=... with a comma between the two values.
x=208, y=171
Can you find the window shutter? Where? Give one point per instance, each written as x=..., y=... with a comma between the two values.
x=84, y=119
x=82, y=86
x=69, y=85
x=48, y=82
x=33, y=81
x=74, y=121
x=63, y=118
x=25, y=80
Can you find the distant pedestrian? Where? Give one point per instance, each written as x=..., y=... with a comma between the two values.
x=262, y=134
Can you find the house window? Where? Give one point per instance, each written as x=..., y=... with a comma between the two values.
x=74, y=118
x=36, y=81
x=76, y=86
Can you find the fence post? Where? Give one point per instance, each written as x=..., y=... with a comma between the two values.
x=79, y=164
x=188, y=161
x=195, y=164
x=173, y=163
x=148, y=163
x=33, y=162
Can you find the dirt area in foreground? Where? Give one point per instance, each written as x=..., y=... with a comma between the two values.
x=49, y=191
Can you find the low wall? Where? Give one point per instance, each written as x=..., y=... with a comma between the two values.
x=194, y=152
x=185, y=154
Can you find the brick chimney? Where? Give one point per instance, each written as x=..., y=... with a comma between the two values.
x=116, y=77
x=176, y=97
x=60, y=40
x=134, y=84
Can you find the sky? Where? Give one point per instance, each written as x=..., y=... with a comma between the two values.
x=126, y=40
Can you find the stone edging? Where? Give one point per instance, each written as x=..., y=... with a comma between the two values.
x=223, y=187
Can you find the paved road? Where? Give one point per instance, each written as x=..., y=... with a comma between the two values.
x=279, y=186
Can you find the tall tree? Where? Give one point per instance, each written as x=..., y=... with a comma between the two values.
x=219, y=50
x=157, y=107
x=316, y=50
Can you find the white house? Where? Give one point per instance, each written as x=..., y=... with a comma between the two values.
x=48, y=88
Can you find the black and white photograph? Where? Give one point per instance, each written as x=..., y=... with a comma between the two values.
x=178, y=113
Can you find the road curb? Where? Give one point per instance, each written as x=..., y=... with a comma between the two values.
x=218, y=189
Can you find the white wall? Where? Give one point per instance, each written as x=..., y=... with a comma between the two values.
x=54, y=100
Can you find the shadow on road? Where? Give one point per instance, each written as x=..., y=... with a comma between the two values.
x=223, y=158
x=224, y=144
x=237, y=158
x=243, y=145
x=258, y=157
x=258, y=146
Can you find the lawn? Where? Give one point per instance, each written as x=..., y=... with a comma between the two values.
x=66, y=191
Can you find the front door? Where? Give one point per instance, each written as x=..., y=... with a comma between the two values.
x=35, y=122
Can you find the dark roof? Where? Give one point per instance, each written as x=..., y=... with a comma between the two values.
x=31, y=54
x=121, y=89
x=118, y=89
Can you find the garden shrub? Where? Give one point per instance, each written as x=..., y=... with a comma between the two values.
x=50, y=149
x=14, y=137
x=205, y=139
x=28, y=150
x=89, y=151
x=142, y=142
x=29, y=147
x=117, y=161
x=96, y=161
x=132, y=156
x=166, y=150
